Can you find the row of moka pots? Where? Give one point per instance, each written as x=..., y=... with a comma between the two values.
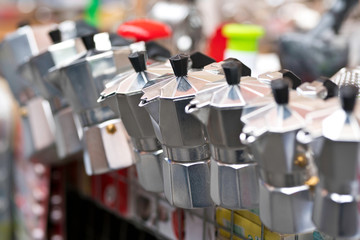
x=281, y=157
x=182, y=130
x=275, y=158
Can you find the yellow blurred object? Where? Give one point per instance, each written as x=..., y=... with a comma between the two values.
x=248, y=225
x=110, y=14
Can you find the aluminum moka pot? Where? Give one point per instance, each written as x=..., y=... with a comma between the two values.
x=125, y=99
x=286, y=166
x=186, y=165
x=37, y=121
x=234, y=177
x=34, y=70
x=107, y=145
x=336, y=207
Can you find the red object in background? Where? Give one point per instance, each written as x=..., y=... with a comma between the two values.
x=144, y=30
x=178, y=223
x=111, y=190
x=217, y=44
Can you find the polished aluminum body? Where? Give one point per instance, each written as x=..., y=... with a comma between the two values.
x=34, y=70
x=124, y=98
x=81, y=81
x=234, y=177
x=15, y=49
x=285, y=164
x=186, y=165
x=336, y=210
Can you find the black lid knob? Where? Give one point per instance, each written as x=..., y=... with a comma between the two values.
x=117, y=40
x=331, y=87
x=245, y=70
x=23, y=23
x=348, y=95
x=138, y=61
x=293, y=79
x=155, y=50
x=200, y=60
x=88, y=41
x=55, y=35
x=232, y=71
x=280, y=89
x=179, y=64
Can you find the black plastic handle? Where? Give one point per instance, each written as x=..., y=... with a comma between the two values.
x=156, y=51
x=200, y=60
x=295, y=81
x=331, y=87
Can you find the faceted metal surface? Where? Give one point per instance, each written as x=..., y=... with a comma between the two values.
x=336, y=211
x=107, y=148
x=82, y=80
x=347, y=76
x=314, y=89
x=183, y=137
x=286, y=210
x=149, y=170
x=15, y=49
x=67, y=139
x=234, y=186
x=175, y=128
x=187, y=185
x=337, y=215
x=36, y=68
x=42, y=126
x=124, y=98
x=284, y=163
x=219, y=106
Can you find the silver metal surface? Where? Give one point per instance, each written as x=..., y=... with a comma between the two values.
x=181, y=135
x=149, y=170
x=286, y=209
x=36, y=68
x=285, y=164
x=219, y=106
x=187, y=185
x=14, y=50
x=68, y=143
x=34, y=71
x=107, y=147
x=234, y=186
x=123, y=98
x=336, y=211
x=314, y=89
x=347, y=76
x=81, y=80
